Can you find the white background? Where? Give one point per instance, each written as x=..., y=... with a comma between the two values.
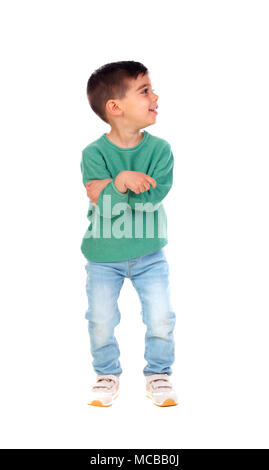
x=208, y=62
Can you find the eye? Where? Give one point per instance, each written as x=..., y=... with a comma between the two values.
x=146, y=89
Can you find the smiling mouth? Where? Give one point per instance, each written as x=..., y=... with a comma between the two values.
x=153, y=111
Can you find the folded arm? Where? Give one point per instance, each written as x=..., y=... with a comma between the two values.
x=163, y=175
x=98, y=182
x=92, y=166
x=95, y=187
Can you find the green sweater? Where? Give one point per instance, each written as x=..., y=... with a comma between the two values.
x=125, y=226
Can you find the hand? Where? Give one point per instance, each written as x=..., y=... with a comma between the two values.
x=95, y=187
x=135, y=181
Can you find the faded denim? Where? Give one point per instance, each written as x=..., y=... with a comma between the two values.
x=150, y=277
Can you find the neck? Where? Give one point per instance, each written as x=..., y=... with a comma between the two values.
x=125, y=137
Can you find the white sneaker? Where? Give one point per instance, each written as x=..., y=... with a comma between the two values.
x=104, y=391
x=160, y=390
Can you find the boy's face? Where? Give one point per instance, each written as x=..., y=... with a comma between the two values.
x=135, y=107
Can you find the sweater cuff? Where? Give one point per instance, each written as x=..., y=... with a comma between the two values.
x=124, y=195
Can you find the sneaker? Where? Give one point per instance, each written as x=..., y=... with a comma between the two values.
x=104, y=391
x=160, y=390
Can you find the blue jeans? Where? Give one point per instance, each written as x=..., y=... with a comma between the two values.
x=150, y=277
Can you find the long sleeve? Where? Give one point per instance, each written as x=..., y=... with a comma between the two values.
x=94, y=167
x=163, y=175
x=119, y=227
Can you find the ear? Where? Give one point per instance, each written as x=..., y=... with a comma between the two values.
x=113, y=107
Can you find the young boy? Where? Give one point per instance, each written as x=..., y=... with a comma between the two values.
x=127, y=174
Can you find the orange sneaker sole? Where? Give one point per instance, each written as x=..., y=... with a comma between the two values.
x=168, y=402
x=98, y=403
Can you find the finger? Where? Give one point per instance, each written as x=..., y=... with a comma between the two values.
x=142, y=187
x=151, y=181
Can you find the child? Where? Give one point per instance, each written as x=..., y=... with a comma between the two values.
x=128, y=228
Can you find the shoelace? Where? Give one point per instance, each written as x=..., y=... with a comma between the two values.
x=104, y=382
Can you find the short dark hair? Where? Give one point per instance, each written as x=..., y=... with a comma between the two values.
x=111, y=81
